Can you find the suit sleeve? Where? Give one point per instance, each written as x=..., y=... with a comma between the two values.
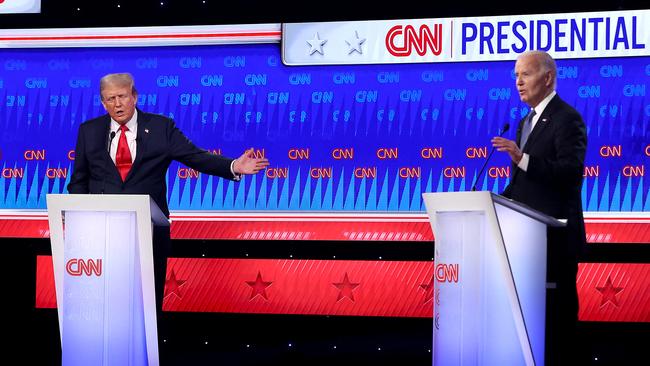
x=184, y=151
x=80, y=174
x=567, y=164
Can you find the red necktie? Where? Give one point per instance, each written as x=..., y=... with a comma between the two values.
x=123, y=155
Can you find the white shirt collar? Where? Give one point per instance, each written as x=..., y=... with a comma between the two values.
x=539, y=108
x=132, y=125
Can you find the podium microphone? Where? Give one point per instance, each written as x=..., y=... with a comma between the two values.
x=110, y=142
x=506, y=127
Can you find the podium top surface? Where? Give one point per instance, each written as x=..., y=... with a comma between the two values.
x=481, y=201
x=107, y=202
x=528, y=211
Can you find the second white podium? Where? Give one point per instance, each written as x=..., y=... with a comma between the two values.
x=490, y=279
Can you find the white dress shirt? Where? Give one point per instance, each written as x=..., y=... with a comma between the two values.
x=539, y=109
x=131, y=135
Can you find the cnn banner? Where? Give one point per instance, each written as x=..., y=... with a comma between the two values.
x=576, y=35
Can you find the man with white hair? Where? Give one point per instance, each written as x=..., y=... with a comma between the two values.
x=548, y=162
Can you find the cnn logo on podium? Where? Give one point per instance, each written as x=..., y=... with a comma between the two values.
x=84, y=267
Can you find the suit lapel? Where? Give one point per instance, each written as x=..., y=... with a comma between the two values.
x=105, y=137
x=105, y=140
x=141, y=142
x=542, y=123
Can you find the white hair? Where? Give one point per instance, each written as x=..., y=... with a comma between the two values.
x=544, y=61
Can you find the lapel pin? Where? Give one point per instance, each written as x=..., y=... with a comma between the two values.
x=544, y=120
x=146, y=130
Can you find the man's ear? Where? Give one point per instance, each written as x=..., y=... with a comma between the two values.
x=548, y=79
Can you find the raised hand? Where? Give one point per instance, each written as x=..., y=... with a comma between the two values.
x=509, y=146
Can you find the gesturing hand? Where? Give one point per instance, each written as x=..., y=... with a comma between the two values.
x=247, y=163
x=509, y=146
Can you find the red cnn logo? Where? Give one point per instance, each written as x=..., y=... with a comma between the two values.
x=421, y=41
x=447, y=272
x=78, y=267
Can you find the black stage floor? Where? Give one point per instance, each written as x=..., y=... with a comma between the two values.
x=245, y=339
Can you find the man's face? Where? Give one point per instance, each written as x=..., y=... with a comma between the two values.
x=533, y=83
x=119, y=102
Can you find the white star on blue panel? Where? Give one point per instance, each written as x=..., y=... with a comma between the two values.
x=316, y=45
x=355, y=43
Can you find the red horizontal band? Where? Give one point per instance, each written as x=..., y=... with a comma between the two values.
x=607, y=291
x=276, y=286
x=410, y=227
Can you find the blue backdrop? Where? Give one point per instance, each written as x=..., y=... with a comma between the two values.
x=352, y=138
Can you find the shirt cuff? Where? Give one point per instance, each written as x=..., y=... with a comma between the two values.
x=523, y=163
x=235, y=176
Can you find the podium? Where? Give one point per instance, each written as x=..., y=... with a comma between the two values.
x=490, y=279
x=104, y=277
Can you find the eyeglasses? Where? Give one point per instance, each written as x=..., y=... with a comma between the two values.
x=122, y=98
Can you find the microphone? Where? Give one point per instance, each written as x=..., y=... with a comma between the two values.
x=110, y=143
x=506, y=127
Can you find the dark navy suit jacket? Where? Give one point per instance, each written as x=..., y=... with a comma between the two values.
x=159, y=142
x=553, y=181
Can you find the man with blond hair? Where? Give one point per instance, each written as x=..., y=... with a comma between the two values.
x=128, y=151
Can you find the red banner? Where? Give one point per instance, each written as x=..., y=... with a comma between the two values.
x=607, y=291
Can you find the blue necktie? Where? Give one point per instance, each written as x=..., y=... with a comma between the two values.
x=528, y=127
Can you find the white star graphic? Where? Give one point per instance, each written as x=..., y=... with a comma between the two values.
x=316, y=45
x=355, y=43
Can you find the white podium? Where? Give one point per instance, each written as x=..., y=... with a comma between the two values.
x=490, y=279
x=104, y=277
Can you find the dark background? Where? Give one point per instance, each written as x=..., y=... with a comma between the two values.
x=248, y=339
x=85, y=13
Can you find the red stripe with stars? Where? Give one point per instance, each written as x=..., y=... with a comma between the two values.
x=311, y=287
x=607, y=291
x=617, y=292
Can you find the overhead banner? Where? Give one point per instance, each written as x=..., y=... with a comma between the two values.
x=139, y=36
x=20, y=6
x=564, y=36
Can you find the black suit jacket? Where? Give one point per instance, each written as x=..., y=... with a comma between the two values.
x=159, y=142
x=553, y=181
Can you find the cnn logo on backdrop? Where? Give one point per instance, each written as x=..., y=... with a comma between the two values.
x=402, y=39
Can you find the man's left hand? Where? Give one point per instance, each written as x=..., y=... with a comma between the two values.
x=509, y=146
